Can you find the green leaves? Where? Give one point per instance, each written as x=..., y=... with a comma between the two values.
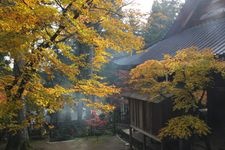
x=160, y=20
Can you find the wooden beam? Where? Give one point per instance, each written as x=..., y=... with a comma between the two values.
x=144, y=142
x=130, y=138
x=162, y=146
x=147, y=134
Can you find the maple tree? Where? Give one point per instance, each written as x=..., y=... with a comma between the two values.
x=185, y=77
x=95, y=121
x=32, y=34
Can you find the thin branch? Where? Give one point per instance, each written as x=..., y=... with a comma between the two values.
x=60, y=5
x=47, y=32
x=61, y=27
x=109, y=11
x=189, y=92
x=27, y=5
x=125, y=4
x=65, y=38
x=201, y=98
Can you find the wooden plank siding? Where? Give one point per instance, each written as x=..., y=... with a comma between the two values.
x=148, y=116
x=216, y=107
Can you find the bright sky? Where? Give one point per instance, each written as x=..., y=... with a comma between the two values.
x=143, y=5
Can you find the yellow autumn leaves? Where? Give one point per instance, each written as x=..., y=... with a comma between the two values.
x=40, y=37
x=186, y=76
x=184, y=127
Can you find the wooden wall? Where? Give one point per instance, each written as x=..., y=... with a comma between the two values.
x=216, y=107
x=149, y=117
x=216, y=103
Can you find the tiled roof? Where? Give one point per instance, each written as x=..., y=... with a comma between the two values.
x=207, y=35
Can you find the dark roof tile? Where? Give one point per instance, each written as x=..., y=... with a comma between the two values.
x=207, y=35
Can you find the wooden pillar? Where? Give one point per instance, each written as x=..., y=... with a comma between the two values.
x=180, y=144
x=144, y=142
x=130, y=138
x=162, y=146
x=114, y=121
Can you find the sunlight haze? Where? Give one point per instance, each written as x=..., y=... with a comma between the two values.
x=143, y=5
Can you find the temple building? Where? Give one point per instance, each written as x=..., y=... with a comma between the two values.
x=201, y=24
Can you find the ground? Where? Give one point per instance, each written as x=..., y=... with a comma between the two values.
x=87, y=143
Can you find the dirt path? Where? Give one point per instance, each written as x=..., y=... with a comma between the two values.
x=91, y=143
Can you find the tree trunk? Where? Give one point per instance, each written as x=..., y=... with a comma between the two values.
x=19, y=140
x=80, y=111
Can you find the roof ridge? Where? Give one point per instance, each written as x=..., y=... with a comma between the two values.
x=210, y=34
x=211, y=21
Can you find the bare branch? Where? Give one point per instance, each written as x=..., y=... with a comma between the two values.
x=109, y=11
x=65, y=38
x=201, y=98
x=60, y=5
